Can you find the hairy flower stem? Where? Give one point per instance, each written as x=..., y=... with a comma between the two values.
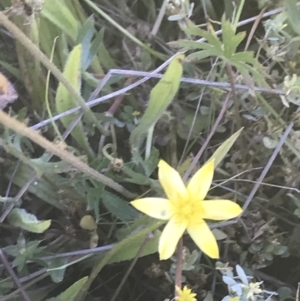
x=178, y=275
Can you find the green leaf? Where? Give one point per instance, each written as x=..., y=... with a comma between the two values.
x=284, y=293
x=27, y=221
x=160, y=98
x=190, y=45
x=151, y=163
x=200, y=55
x=245, y=56
x=64, y=101
x=269, y=256
x=224, y=148
x=135, y=177
x=85, y=35
x=219, y=235
x=297, y=212
x=119, y=207
x=94, y=49
x=115, y=254
x=50, y=32
x=86, y=32
x=188, y=124
x=257, y=72
x=140, y=223
x=51, y=167
x=42, y=188
x=228, y=34
x=129, y=251
x=58, y=13
x=293, y=14
x=279, y=250
x=56, y=273
x=230, y=40
x=211, y=38
x=70, y=293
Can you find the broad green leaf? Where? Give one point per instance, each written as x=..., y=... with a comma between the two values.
x=135, y=177
x=285, y=293
x=151, y=163
x=279, y=250
x=51, y=167
x=64, y=101
x=58, y=13
x=293, y=12
x=115, y=253
x=94, y=49
x=70, y=293
x=219, y=235
x=211, y=38
x=129, y=251
x=230, y=39
x=42, y=188
x=257, y=73
x=245, y=56
x=119, y=207
x=190, y=45
x=50, y=33
x=56, y=269
x=188, y=126
x=227, y=34
x=200, y=55
x=90, y=47
x=85, y=35
x=161, y=97
x=223, y=149
x=143, y=222
x=86, y=32
x=27, y=221
x=236, y=41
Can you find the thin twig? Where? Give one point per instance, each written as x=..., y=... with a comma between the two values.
x=13, y=276
x=178, y=275
x=159, y=18
x=153, y=73
x=148, y=75
x=196, y=113
x=33, y=175
x=253, y=28
x=25, y=286
x=133, y=262
x=78, y=253
x=214, y=128
x=259, y=180
x=236, y=106
x=65, y=155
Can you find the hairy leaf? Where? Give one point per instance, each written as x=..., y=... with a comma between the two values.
x=64, y=100
x=160, y=98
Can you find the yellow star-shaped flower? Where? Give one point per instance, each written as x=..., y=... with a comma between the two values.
x=185, y=294
x=185, y=208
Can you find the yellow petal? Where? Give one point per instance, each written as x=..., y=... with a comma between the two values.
x=220, y=210
x=204, y=239
x=171, y=182
x=155, y=207
x=201, y=181
x=169, y=238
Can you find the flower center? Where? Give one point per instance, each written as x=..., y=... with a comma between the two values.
x=188, y=211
